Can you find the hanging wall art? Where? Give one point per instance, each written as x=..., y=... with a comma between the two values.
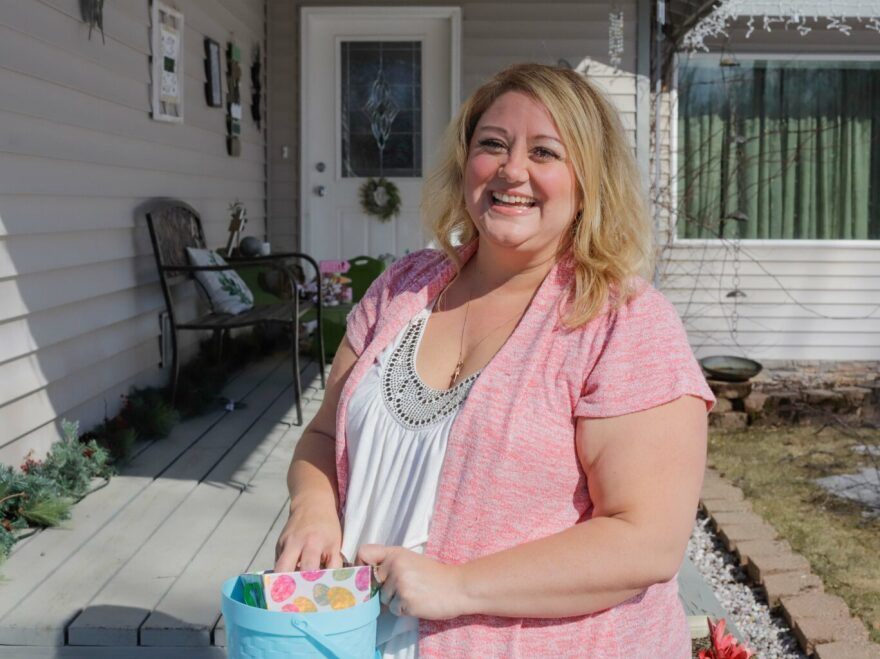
x=167, y=63
x=93, y=13
x=213, y=73
x=233, y=99
x=257, y=89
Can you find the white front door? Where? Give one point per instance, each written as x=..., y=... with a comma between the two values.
x=379, y=85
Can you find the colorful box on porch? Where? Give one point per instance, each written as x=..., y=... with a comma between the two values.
x=309, y=592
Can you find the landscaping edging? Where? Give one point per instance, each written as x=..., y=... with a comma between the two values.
x=821, y=623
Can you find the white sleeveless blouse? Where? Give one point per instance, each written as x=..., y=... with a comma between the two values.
x=397, y=429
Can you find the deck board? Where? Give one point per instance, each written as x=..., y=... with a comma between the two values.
x=31, y=564
x=114, y=616
x=189, y=610
x=42, y=617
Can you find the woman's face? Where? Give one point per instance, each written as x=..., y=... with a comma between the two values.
x=519, y=184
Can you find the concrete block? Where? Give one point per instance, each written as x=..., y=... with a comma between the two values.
x=759, y=566
x=730, y=390
x=813, y=605
x=748, y=548
x=812, y=632
x=729, y=420
x=736, y=518
x=786, y=584
x=847, y=650
x=754, y=402
x=731, y=534
x=722, y=490
x=715, y=506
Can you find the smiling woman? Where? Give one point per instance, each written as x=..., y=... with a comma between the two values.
x=514, y=428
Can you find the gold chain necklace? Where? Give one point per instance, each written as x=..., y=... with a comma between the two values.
x=460, y=361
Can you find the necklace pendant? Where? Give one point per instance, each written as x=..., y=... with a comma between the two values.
x=455, y=373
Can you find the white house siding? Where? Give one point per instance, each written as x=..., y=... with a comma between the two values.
x=494, y=35
x=79, y=153
x=809, y=300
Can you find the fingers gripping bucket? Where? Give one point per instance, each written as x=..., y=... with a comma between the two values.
x=253, y=633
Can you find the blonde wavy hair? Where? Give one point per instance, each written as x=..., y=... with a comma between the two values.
x=611, y=239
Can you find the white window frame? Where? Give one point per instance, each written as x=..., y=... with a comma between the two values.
x=673, y=157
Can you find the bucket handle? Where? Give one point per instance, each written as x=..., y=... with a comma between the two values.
x=321, y=639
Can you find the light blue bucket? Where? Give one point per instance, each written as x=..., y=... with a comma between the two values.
x=253, y=633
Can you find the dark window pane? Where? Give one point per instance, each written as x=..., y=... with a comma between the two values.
x=381, y=108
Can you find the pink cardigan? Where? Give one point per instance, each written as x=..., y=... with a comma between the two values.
x=511, y=473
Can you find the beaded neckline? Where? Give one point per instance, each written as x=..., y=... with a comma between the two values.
x=411, y=402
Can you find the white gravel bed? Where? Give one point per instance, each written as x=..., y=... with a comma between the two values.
x=767, y=635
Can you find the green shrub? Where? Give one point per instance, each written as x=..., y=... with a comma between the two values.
x=72, y=464
x=149, y=413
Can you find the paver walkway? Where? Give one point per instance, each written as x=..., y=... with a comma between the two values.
x=136, y=572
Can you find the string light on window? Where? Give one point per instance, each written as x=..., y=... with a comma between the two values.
x=800, y=15
x=615, y=37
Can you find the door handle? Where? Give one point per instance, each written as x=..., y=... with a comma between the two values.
x=320, y=190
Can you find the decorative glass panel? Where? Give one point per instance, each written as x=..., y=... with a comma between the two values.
x=381, y=108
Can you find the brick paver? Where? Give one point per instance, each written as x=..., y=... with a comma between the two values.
x=736, y=517
x=746, y=548
x=814, y=605
x=847, y=650
x=759, y=566
x=811, y=632
x=786, y=584
x=731, y=534
x=714, y=506
x=720, y=490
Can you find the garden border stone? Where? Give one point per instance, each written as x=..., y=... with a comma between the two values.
x=821, y=623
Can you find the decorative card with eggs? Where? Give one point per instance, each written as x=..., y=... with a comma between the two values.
x=309, y=592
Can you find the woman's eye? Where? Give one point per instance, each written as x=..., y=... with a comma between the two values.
x=492, y=145
x=545, y=154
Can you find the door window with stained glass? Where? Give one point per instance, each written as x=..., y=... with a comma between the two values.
x=381, y=103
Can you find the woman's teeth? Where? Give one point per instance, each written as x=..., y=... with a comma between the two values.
x=512, y=200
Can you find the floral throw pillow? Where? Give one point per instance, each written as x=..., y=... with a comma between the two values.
x=228, y=292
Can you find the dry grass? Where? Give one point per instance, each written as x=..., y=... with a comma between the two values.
x=776, y=468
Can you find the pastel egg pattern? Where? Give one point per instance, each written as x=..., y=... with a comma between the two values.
x=320, y=593
x=362, y=580
x=341, y=598
x=304, y=605
x=343, y=573
x=282, y=588
x=312, y=576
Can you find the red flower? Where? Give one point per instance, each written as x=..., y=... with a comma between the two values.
x=723, y=646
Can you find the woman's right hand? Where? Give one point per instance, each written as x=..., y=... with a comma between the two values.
x=311, y=540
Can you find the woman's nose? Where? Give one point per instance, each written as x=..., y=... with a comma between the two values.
x=515, y=167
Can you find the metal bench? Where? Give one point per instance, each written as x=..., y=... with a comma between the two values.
x=174, y=226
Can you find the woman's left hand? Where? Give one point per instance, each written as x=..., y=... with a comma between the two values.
x=415, y=585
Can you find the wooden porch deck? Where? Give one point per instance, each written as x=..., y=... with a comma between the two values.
x=137, y=571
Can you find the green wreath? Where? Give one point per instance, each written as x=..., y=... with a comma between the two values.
x=380, y=198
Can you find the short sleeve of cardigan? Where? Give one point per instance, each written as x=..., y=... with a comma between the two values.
x=644, y=361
